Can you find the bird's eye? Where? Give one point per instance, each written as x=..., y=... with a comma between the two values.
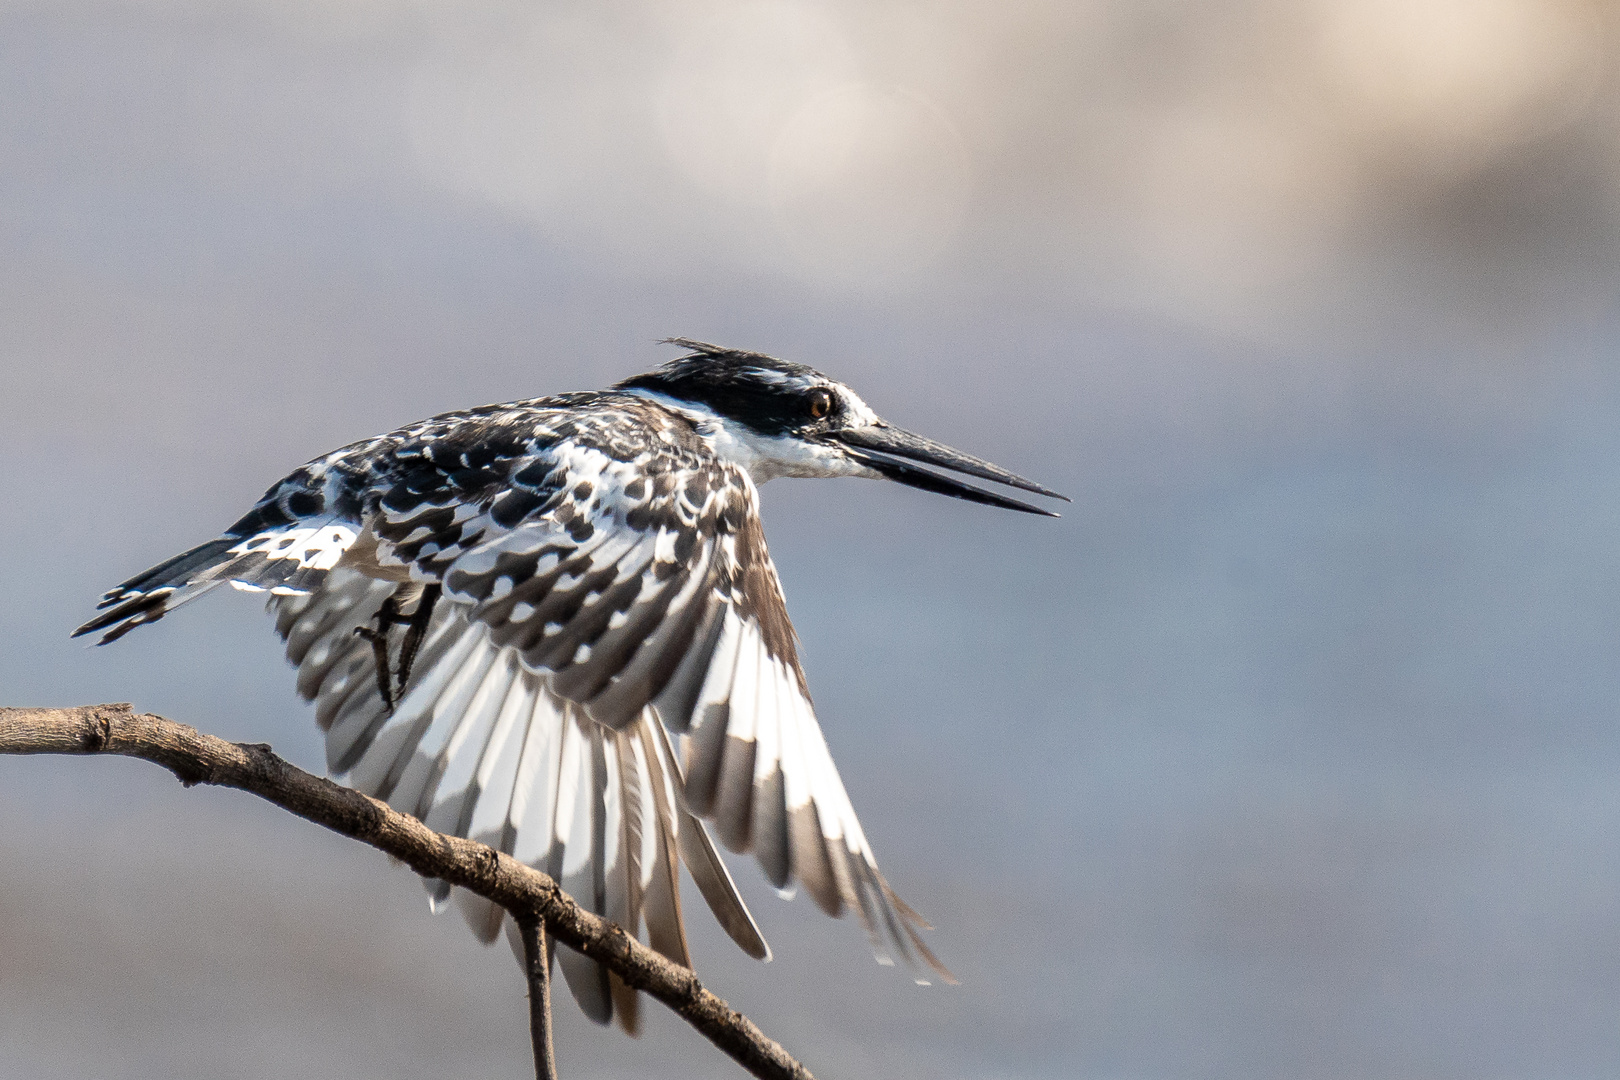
x=818, y=403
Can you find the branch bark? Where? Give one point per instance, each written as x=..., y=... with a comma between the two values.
x=530, y=896
x=537, y=969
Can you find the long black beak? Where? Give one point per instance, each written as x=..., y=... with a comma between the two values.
x=878, y=445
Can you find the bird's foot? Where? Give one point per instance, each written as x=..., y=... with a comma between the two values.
x=415, y=630
x=386, y=619
x=416, y=623
x=379, y=652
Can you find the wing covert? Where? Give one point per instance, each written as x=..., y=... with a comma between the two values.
x=611, y=586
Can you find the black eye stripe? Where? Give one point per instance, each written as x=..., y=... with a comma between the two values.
x=768, y=396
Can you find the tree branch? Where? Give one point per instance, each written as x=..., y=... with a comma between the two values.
x=537, y=969
x=530, y=896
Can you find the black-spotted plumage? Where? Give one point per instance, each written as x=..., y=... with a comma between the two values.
x=502, y=614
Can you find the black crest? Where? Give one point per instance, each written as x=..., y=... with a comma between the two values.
x=764, y=393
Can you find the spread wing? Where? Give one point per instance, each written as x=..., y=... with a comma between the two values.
x=480, y=746
x=628, y=584
x=594, y=593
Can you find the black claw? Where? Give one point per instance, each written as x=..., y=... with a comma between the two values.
x=379, y=652
x=387, y=616
x=415, y=630
x=415, y=624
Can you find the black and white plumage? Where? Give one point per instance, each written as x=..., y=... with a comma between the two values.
x=503, y=614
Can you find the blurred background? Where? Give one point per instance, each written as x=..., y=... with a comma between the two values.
x=1289, y=752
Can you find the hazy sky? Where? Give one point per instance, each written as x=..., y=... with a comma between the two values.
x=1289, y=752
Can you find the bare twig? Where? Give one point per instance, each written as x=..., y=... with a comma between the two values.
x=537, y=969
x=523, y=891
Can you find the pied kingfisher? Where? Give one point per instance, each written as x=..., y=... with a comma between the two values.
x=503, y=613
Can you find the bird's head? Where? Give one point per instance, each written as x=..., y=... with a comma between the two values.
x=775, y=419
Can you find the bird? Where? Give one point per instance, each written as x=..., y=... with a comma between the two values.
x=553, y=625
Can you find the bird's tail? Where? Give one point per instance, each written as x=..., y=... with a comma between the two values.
x=288, y=560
